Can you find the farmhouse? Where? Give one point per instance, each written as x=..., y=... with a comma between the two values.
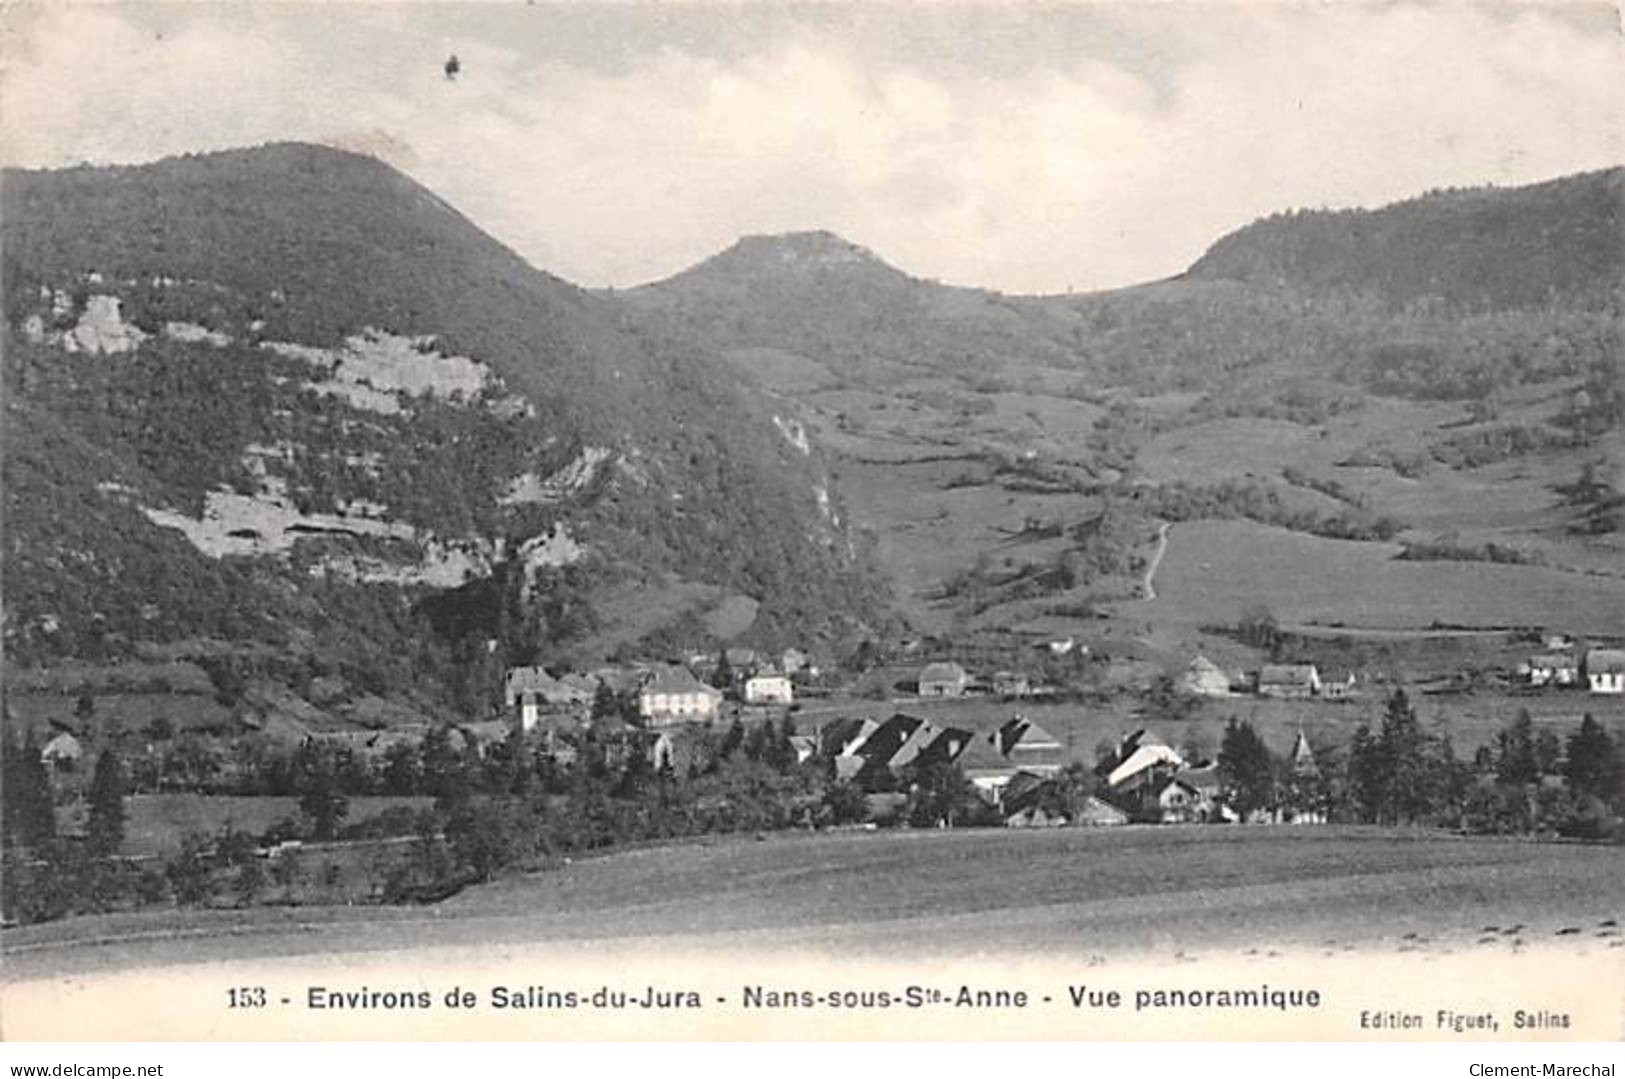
x=674, y=695
x=1553, y=669
x=943, y=680
x=1291, y=681
x=1605, y=670
x=1204, y=678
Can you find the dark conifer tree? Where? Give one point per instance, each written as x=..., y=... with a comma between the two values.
x=107, y=790
x=29, y=807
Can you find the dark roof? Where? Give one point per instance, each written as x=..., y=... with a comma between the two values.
x=673, y=679
x=1605, y=660
x=1287, y=674
x=943, y=672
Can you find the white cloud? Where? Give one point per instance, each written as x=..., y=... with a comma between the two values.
x=996, y=167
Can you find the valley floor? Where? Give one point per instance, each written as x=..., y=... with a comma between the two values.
x=1154, y=892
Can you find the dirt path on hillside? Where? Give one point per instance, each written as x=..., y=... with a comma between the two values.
x=1148, y=585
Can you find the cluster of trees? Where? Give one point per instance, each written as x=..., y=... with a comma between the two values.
x=1528, y=781
x=1599, y=499
x=1256, y=501
x=526, y=802
x=44, y=875
x=1327, y=486
x=1446, y=550
x=530, y=805
x=1491, y=444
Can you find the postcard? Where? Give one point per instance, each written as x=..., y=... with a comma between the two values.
x=541, y=521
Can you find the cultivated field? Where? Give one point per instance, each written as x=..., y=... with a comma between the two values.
x=1147, y=891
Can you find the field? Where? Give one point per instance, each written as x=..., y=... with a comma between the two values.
x=1149, y=891
x=1214, y=569
x=156, y=823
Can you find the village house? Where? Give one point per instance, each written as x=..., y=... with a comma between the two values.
x=1605, y=670
x=1339, y=687
x=841, y=737
x=869, y=759
x=793, y=661
x=929, y=744
x=1171, y=800
x=768, y=689
x=1059, y=646
x=805, y=746
x=1096, y=813
x=987, y=766
x=1552, y=669
x=529, y=692
x=1011, y=684
x=674, y=695
x=1204, y=678
x=63, y=753
x=1140, y=758
x=1030, y=747
x=943, y=680
x=743, y=661
x=1289, y=681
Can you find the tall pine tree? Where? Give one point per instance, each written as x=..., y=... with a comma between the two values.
x=107, y=790
x=29, y=813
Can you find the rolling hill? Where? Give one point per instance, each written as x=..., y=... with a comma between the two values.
x=285, y=397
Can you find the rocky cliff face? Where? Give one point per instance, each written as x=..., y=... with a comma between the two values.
x=286, y=397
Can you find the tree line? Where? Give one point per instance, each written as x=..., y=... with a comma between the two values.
x=529, y=804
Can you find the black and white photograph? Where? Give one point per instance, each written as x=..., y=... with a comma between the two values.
x=793, y=521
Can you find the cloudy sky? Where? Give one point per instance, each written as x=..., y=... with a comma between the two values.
x=1021, y=147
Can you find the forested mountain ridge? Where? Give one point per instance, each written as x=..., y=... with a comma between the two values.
x=1475, y=249
x=285, y=396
